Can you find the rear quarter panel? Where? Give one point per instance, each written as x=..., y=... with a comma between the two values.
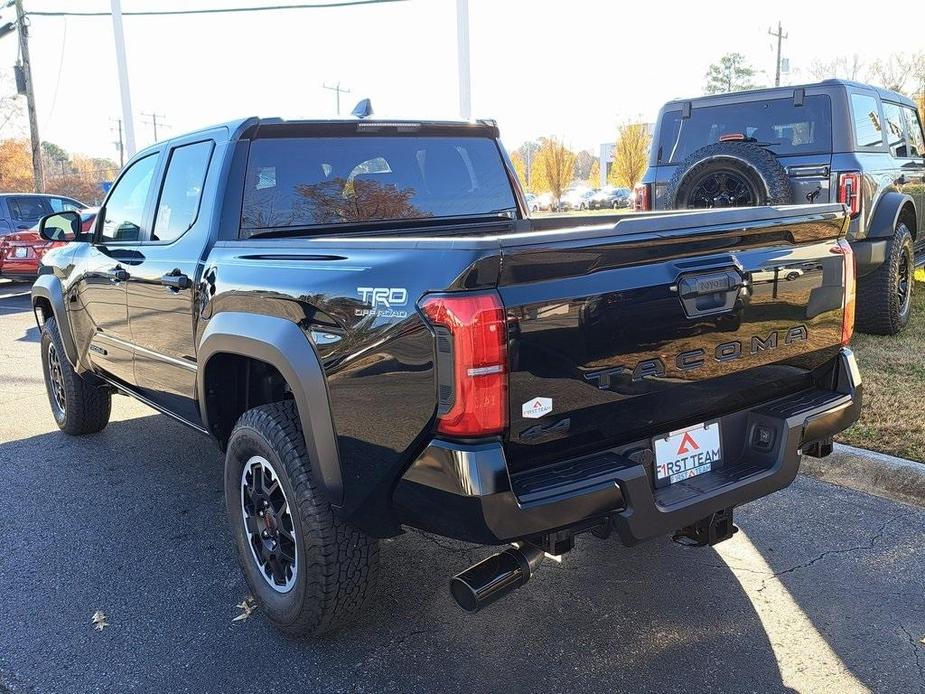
x=377, y=353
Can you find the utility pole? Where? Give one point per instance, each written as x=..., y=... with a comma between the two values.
x=119, y=142
x=37, y=173
x=462, y=57
x=780, y=38
x=153, y=121
x=337, y=91
x=122, y=66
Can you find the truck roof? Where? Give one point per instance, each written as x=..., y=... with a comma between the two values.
x=253, y=127
x=782, y=92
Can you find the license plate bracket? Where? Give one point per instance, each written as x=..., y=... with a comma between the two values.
x=686, y=453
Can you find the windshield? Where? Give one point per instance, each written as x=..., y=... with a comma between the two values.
x=293, y=182
x=786, y=129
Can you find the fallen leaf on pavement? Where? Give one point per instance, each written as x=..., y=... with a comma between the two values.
x=100, y=621
x=247, y=607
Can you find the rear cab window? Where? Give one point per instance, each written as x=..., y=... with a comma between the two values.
x=339, y=181
x=785, y=129
x=178, y=205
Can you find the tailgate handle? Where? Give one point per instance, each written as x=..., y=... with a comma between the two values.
x=714, y=292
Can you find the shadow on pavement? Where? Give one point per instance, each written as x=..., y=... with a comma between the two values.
x=131, y=522
x=15, y=297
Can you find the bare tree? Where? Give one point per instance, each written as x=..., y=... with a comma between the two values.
x=12, y=114
x=842, y=67
x=898, y=71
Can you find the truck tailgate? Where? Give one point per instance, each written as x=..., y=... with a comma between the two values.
x=663, y=321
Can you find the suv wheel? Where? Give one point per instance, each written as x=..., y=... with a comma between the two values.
x=308, y=570
x=885, y=295
x=729, y=174
x=79, y=406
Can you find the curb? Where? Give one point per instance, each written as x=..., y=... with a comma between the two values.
x=870, y=472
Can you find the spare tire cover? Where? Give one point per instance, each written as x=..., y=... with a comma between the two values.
x=729, y=174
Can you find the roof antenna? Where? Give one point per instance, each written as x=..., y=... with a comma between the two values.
x=363, y=109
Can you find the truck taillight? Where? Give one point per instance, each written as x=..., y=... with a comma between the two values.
x=848, y=303
x=472, y=366
x=642, y=199
x=849, y=191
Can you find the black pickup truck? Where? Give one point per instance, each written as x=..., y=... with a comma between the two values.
x=362, y=315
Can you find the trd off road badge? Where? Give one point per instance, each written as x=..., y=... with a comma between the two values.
x=535, y=408
x=383, y=301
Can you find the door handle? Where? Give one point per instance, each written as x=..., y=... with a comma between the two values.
x=118, y=274
x=176, y=280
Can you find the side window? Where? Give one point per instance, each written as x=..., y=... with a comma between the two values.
x=178, y=205
x=126, y=204
x=61, y=204
x=895, y=129
x=867, y=129
x=914, y=130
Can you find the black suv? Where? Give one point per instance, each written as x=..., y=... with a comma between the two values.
x=834, y=141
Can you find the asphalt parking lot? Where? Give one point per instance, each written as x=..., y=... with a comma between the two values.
x=823, y=590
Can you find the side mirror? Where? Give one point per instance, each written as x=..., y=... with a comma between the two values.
x=61, y=226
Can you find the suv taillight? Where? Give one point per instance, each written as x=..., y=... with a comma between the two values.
x=472, y=366
x=848, y=303
x=642, y=200
x=849, y=191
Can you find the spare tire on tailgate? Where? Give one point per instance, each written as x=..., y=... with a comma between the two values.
x=729, y=174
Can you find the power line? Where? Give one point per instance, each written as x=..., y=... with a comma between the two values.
x=215, y=10
x=152, y=121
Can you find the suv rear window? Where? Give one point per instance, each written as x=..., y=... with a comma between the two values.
x=785, y=128
x=293, y=182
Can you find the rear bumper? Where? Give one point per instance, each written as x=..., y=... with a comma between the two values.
x=869, y=254
x=465, y=491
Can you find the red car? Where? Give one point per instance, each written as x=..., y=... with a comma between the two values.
x=21, y=252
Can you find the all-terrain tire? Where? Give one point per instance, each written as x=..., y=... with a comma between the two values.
x=336, y=563
x=880, y=310
x=759, y=166
x=79, y=405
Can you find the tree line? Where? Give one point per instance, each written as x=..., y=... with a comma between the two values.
x=74, y=175
x=549, y=165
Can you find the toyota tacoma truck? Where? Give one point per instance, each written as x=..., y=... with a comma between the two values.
x=364, y=318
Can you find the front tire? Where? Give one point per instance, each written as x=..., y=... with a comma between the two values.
x=310, y=571
x=79, y=406
x=885, y=295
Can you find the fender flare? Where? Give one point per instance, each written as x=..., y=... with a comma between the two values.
x=48, y=287
x=282, y=344
x=886, y=214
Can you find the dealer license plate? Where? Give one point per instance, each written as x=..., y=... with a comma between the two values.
x=686, y=453
x=20, y=252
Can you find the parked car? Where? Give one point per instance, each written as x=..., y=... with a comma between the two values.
x=833, y=141
x=576, y=199
x=541, y=202
x=22, y=211
x=22, y=251
x=410, y=349
x=610, y=198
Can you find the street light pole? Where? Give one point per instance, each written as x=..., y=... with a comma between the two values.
x=462, y=47
x=119, y=36
x=37, y=174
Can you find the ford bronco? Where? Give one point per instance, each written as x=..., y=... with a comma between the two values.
x=834, y=141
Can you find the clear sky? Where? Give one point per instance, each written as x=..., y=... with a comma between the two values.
x=573, y=68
